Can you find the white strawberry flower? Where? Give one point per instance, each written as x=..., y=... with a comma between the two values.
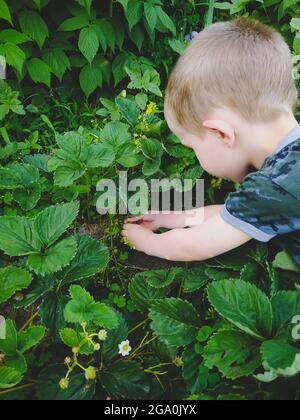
x=125, y=348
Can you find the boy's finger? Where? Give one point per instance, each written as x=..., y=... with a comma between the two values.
x=134, y=219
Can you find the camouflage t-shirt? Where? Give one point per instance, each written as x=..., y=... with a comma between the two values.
x=267, y=203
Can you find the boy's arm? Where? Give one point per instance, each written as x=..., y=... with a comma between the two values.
x=213, y=237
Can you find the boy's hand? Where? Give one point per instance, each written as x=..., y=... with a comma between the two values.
x=137, y=235
x=149, y=221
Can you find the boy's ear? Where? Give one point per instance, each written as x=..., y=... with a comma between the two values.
x=224, y=131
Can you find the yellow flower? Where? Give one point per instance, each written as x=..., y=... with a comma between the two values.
x=123, y=93
x=151, y=108
x=216, y=183
x=178, y=361
x=64, y=384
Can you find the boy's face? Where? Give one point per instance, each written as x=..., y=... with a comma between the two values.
x=214, y=155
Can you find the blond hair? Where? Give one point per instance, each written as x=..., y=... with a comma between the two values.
x=243, y=65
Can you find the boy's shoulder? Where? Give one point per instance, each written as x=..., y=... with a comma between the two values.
x=283, y=167
x=266, y=204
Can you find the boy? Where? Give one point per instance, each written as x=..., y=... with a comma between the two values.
x=231, y=99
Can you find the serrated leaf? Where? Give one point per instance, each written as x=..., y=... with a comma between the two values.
x=9, y=377
x=33, y=25
x=54, y=221
x=234, y=353
x=285, y=306
x=142, y=294
x=17, y=237
x=8, y=346
x=278, y=354
x=174, y=320
x=82, y=308
x=30, y=338
x=70, y=337
x=73, y=24
x=90, y=78
x=79, y=389
x=125, y=378
x=91, y=257
x=12, y=280
x=54, y=258
x=100, y=156
x=244, y=305
x=39, y=71
x=88, y=43
x=115, y=336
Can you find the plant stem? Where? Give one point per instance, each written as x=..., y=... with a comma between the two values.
x=210, y=13
x=111, y=8
x=137, y=326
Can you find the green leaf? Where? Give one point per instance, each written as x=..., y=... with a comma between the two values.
x=134, y=13
x=125, y=378
x=151, y=15
x=129, y=109
x=4, y=12
x=82, y=308
x=194, y=279
x=90, y=79
x=204, y=333
x=13, y=36
x=153, y=152
x=73, y=147
x=295, y=23
x=52, y=223
x=278, y=354
x=51, y=312
x=9, y=377
x=8, y=346
x=90, y=259
x=39, y=71
x=58, y=61
x=86, y=4
x=284, y=261
x=115, y=336
x=54, y=258
x=195, y=374
x=15, y=57
x=116, y=134
x=12, y=279
x=17, y=361
x=235, y=354
x=70, y=337
x=160, y=279
x=142, y=294
x=165, y=20
x=17, y=236
x=88, y=43
x=100, y=156
x=67, y=173
x=285, y=305
x=33, y=25
x=244, y=305
x=29, y=197
x=73, y=24
x=79, y=389
x=174, y=320
x=30, y=338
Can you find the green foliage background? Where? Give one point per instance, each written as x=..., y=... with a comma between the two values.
x=83, y=100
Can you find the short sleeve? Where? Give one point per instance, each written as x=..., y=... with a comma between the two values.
x=261, y=208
